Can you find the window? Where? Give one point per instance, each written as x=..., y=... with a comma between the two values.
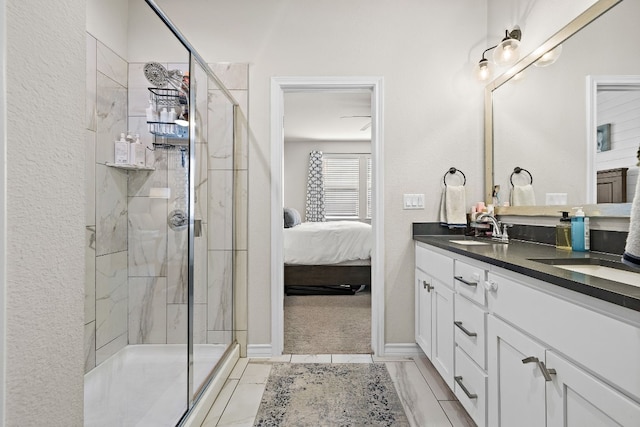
x=347, y=186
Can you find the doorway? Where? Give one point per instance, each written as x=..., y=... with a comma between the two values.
x=279, y=87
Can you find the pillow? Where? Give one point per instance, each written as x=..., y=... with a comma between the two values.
x=291, y=217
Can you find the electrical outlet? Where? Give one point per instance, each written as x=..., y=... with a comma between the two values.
x=413, y=201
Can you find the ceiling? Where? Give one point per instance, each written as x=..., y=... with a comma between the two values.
x=327, y=116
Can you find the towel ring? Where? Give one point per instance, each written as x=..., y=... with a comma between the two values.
x=518, y=169
x=453, y=170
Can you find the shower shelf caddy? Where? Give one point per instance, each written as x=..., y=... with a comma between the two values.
x=130, y=167
x=167, y=98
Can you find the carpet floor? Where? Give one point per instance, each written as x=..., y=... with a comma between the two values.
x=310, y=394
x=327, y=324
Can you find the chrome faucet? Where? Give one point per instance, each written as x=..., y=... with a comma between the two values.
x=495, y=224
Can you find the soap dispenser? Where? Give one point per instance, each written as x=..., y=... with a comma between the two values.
x=580, y=235
x=563, y=232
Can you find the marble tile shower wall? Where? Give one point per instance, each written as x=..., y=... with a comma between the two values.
x=106, y=293
x=136, y=284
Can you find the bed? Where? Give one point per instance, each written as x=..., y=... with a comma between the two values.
x=331, y=253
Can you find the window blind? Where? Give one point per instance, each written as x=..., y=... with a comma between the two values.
x=347, y=186
x=341, y=186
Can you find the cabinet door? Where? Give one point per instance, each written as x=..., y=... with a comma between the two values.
x=576, y=399
x=423, y=312
x=442, y=331
x=516, y=389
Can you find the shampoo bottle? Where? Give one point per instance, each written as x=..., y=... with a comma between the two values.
x=580, y=232
x=172, y=120
x=563, y=232
x=164, y=118
x=137, y=152
x=121, y=152
x=152, y=116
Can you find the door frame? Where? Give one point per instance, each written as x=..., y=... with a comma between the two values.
x=595, y=82
x=280, y=85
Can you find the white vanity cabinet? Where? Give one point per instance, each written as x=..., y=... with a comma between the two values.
x=434, y=309
x=524, y=352
x=558, y=362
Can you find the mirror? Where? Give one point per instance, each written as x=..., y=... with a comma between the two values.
x=539, y=121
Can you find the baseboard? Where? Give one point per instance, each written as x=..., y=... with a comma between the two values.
x=401, y=349
x=203, y=405
x=259, y=350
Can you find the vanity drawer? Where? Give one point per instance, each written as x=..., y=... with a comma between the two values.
x=469, y=281
x=471, y=388
x=434, y=264
x=470, y=329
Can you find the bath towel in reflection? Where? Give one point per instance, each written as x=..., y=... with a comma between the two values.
x=522, y=195
x=631, y=254
x=453, y=206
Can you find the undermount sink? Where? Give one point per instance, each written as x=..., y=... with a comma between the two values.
x=468, y=242
x=610, y=270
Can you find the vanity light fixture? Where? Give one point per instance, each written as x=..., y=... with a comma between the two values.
x=506, y=53
x=508, y=50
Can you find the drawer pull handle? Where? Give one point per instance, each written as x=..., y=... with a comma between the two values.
x=426, y=286
x=546, y=372
x=466, y=282
x=469, y=395
x=465, y=330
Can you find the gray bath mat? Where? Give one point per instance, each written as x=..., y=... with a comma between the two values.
x=314, y=394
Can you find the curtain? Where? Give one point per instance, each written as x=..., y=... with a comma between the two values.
x=315, y=189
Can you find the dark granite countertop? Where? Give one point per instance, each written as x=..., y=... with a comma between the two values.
x=519, y=256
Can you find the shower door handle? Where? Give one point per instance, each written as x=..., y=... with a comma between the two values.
x=197, y=228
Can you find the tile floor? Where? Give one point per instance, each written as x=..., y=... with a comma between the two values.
x=427, y=400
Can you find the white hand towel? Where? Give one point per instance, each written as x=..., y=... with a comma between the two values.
x=631, y=254
x=453, y=206
x=522, y=195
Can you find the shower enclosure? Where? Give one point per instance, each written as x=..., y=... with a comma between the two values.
x=161, y=254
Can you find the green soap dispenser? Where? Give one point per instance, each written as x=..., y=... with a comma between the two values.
x=563, y=232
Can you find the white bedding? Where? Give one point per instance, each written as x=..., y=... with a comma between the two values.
x=322, y=243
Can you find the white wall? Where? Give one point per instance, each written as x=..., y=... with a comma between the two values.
x=107, y=21
x=432, y=108
x=296, y=166
x=45, y=72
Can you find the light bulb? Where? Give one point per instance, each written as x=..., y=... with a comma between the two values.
x=484, y=70
x=507, y=52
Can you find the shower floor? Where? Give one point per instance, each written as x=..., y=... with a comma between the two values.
x=145, y=385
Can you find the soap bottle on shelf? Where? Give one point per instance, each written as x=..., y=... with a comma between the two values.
x=137, y=152
x=164, y=118
x=580, y=235
x=563, y=232
x=172, y=119
x=152, y=116
x=121, y=151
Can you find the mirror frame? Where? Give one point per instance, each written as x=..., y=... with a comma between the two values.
x=578, y=23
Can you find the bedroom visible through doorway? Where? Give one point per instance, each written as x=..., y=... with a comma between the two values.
x=368, y=210
x=327, y=212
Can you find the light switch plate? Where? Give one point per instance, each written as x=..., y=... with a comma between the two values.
x=413, y=201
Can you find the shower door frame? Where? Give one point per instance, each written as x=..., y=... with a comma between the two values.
x=194, y=60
